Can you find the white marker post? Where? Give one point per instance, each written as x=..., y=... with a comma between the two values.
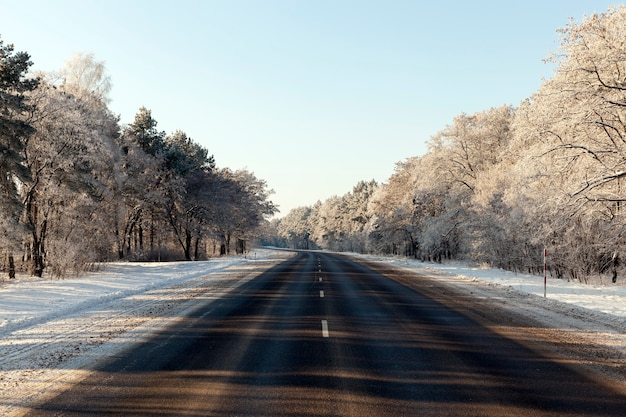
x=545, y=268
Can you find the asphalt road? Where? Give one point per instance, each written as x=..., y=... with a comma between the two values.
x=320, y=335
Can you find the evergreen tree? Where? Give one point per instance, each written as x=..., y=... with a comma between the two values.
x=14, y=131
x=143, y=130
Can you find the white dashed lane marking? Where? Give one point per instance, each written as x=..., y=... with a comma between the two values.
x=324, y=328
x=324, y=322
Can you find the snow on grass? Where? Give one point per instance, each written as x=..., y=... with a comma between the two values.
x=27, y=301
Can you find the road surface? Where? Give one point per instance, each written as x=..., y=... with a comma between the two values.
x=322, y=335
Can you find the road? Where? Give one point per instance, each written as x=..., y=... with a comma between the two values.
x=322, y=335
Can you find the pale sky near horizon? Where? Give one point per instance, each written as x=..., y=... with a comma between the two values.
x=311, y=96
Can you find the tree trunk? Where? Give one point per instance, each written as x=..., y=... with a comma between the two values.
x=140, y=231
x=119, y=242
x=38, y=235
x=11, y=267
x=187, y=246
x=241, y=246
x=128, y=243
x=38, y=250
x=196, y=249
x=152, y=234
x=129, y=231
x=223, y=245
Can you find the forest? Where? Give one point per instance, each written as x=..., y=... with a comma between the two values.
x=77, y=188
x=500, y=186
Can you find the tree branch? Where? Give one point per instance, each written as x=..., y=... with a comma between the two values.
x=599, y=181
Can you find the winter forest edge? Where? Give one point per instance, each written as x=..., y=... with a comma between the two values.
x=78, y=189
x=495, y=187
x=499, y=186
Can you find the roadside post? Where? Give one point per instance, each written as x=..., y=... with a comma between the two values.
x=545, y=268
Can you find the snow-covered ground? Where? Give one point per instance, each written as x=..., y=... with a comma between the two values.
x=604, y=296
x=52, y=330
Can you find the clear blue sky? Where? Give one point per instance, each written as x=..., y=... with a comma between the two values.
x=311, y=96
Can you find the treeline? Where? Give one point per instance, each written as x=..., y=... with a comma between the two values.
x=499, y=186
x=77, y=187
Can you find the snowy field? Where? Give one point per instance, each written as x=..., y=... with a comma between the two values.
x=52, y=330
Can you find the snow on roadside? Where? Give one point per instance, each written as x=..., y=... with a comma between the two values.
x=28, y=301
x=51, y=330
x=608, y=298
x=586, y=323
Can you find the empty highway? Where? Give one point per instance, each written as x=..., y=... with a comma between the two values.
x=323, y=335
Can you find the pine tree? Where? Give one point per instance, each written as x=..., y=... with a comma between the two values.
x=144, y=131
x=14, y=131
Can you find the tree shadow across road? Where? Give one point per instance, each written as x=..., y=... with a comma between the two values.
x=261, y=352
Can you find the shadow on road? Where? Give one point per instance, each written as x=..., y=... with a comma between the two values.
x=390, y=352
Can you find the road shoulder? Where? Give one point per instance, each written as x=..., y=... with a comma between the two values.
x=590, y=341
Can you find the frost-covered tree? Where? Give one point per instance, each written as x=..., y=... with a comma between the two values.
x=70, y=163
x=295, y=228
x=172, y=180
x=438, y=207
x=141, y=183
x=462, y=157
x=14, y=131
x=135, y=198
x=500, y=185
x=426, y=208
x=67, y=173
x=574, y=131
x=85, y=78
x=255, y=207
x=333, y=228
x=393, y=228
x=358, y=215
x=339, y=222
x=486, y=138
x=240, y=206
x=184, y=161
x=474, y=143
